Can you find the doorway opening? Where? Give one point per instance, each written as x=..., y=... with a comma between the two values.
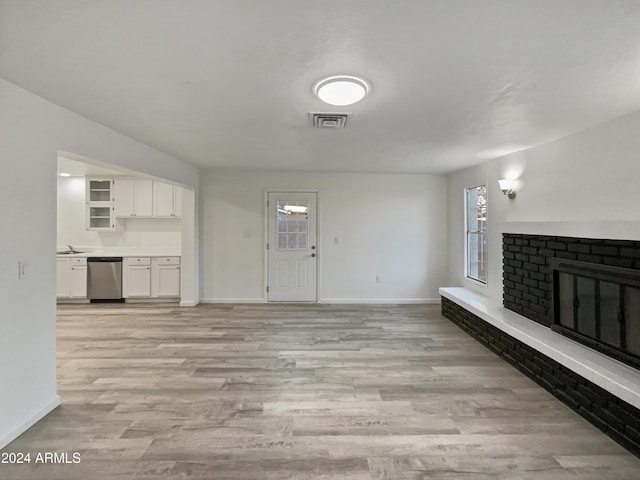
x=145, y=223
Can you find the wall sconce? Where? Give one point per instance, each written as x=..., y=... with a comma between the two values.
x=508, y=187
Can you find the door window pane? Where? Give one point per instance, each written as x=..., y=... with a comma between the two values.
x=293, y=224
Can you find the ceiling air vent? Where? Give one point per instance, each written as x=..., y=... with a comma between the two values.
x=328, y=120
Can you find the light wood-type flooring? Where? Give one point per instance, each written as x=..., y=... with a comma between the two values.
x=300, y=392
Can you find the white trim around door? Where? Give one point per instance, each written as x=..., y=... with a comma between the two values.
x=291, y=258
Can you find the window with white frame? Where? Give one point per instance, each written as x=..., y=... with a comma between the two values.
x=476, y=232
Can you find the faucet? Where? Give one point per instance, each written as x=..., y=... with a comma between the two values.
x=71, y=249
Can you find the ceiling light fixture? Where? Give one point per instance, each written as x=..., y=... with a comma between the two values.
x=341, y=90
x=65, y=174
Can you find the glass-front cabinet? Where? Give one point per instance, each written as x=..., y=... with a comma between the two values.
x=99, y=190
x=100, y=208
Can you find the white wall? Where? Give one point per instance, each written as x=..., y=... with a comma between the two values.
x=33, y=130
x=584, y=185
x=133, y=232
x=388, y=225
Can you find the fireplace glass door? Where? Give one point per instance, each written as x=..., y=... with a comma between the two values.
x=599, y=306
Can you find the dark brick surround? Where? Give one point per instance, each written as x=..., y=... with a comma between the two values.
x=615, y=417
x=527, y=287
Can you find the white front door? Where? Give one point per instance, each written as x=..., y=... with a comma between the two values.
x=292, y=252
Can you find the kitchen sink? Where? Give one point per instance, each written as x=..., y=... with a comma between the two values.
x=71, y=252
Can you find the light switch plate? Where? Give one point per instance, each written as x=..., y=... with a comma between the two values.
x=24, y=270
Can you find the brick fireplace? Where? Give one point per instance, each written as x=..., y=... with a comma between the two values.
x=528, y=275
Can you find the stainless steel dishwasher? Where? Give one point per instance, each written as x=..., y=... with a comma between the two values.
x=104, y=282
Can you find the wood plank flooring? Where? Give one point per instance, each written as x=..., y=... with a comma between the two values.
x=300, y=392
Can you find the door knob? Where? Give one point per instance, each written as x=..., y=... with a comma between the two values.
x=313, y=247
x=313, y=254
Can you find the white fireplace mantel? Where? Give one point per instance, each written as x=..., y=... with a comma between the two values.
x=617, y=378
x=617, y=230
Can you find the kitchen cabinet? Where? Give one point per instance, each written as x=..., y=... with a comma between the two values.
x=157, y=277
x=136, y=277
x=78, y=281
x=167, y=200
x=71, y=278
x=133, y=197
x=177, y=201
x=99, y=190
x=62, y=277
x=165, y=277
x=99, y=207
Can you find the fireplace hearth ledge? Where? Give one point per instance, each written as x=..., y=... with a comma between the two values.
x=615, y=377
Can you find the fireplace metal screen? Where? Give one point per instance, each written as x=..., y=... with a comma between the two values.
x=599, y=306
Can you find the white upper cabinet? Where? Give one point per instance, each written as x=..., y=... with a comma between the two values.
x=144, y=198
x=167, y=200
x=177, y=201
x=111, y=198
x=162, y=199
x=124, y=195
x=99, y=208
x=99, y=190
x=133, y=197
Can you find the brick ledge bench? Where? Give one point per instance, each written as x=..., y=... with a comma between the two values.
x=604, y=391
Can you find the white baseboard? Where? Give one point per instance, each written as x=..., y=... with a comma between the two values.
x=152, y=300
x=232, y=300
x=189, y=303
x=381, y=301
x=27, y=423
x=370, y=301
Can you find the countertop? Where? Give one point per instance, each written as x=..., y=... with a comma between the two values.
x=121, y=252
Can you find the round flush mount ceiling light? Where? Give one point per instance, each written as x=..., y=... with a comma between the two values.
x=341, y=90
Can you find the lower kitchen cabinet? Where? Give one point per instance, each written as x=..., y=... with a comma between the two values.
x=71, y=278
x=136, y=277
x=156, y=277
x=165, y=277
x=62, y=277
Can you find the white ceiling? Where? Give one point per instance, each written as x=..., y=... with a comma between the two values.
x=229, y=83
